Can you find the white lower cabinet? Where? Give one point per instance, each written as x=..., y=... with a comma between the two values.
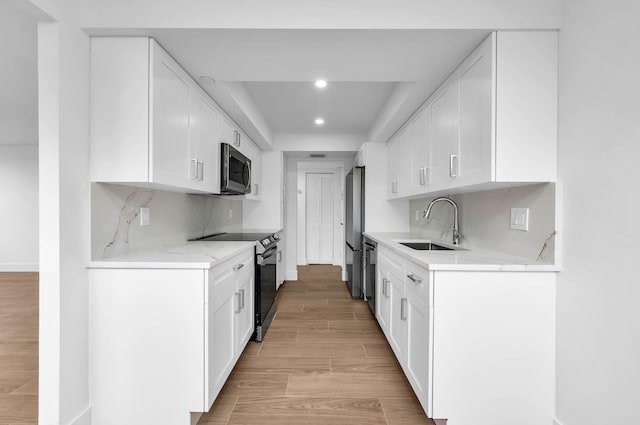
x=164, y=341
x=477, y=347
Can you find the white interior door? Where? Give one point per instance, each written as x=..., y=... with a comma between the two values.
x=319, y=218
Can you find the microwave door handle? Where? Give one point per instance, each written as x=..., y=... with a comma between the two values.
x=248, y=171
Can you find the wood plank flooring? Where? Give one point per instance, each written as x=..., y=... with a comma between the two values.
x=324, y=361
x=18, y=348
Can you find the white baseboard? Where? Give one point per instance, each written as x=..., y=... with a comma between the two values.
x=556, y=421
x=344, y=275
x=291, y=275
x=18, y=267
x=83, y=418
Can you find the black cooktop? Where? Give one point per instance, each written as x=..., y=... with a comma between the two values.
x=265, y=240
x=233, y=237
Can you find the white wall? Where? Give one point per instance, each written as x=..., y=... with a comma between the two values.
x=485, y=221
x=19, y=211
x=63, y=82
x=598, y=288
x=317, y=142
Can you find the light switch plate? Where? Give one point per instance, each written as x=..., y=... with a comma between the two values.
x=145, y=217
x=520, y=219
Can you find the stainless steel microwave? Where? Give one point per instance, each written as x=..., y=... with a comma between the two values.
x=236, y=171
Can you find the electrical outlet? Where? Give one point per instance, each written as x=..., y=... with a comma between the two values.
x=520, y=219
x=145, y=217
x=417, y=215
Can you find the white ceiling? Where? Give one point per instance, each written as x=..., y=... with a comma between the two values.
x=18, y=75
x=276, y=67
x=346, y=107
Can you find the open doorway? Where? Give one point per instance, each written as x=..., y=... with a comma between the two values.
x=319, y=218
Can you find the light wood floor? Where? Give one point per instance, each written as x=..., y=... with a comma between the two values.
x=324, y=360
x=18, y=348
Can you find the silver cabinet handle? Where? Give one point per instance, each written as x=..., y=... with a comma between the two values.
x=238, y=267
x=279, y=256
x=452, y=159
x=422, y=176
x=193, y=169
x=241, y=298
x=238, y=306
x=413, y=278
x=403, y=309
x=384, y=286
x=199, y=170
x=257, y=187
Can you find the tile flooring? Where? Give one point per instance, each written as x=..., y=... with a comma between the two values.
x=18, y=348
x=324, y=361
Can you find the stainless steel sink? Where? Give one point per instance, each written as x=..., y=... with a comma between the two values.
x=426, y=246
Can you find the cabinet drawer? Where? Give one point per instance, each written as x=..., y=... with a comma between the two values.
x=218, y=275
x=394, y=262
x=417, y=280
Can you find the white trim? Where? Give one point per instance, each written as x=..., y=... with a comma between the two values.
x=556, y=421
x=19, y=267
x=291, y=275
x=83, y=418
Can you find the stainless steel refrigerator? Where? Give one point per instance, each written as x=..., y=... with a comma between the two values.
x=354, y=226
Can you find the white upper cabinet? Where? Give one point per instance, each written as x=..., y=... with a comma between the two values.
x=392, y=157
x=493, y=122
x=420, y=176
x=253, y=152
x=445, y=113
x=152, y=125
x=204, y=152
x=169, y=123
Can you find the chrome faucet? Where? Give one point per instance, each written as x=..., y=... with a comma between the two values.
x=456, y=234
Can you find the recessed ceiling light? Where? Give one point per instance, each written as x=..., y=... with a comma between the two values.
x=321, y=84
x=319, y=121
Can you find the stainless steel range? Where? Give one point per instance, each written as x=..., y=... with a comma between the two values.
x=265, y=274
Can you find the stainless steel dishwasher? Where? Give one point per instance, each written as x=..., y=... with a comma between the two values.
x=369, y=247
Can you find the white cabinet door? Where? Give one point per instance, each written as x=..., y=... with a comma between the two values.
x=392, y=158
x=170, y=100
x=226, y=131
x=404, y=161
x=475, y=155
x=245, y=314
x=418, y=360
x=397, y=317
x=254, y=153
x=382, y=295
x=444, y=131
x=420, y=152
x=221, y=334
x=204, y=151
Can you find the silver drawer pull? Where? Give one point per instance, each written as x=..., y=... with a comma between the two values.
x=238, y=267
x=403, y=309
x=242, y=298
x=412, y=277
x=239, y=307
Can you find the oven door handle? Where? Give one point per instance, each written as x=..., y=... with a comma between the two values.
x=269, y=252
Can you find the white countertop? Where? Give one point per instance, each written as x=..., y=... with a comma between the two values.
x=191, y=255
x=458, y=260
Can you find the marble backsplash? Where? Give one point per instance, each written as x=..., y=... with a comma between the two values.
x=485, y=217
x=174, y=218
